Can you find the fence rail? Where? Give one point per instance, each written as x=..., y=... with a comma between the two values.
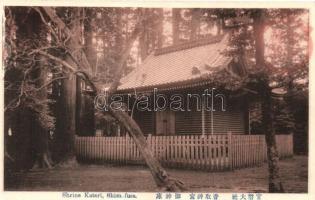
x=211, y=152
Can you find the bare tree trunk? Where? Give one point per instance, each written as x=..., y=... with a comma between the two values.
x=162, y=179
x=89, y=47
x=259, y=28
x=42, y=159
x=195, y=23
x=34, y=137
x=290, y=40
x=159, y=27
x=219, y=25
x=70, y=95
x=175, y=24
x=144, y=38
x=8, y=157
x=67, y=137
x=275, y=184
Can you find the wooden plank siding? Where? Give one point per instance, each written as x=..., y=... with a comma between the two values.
x=208, y=152
x=226, y=121
x=234, y=117
x=190, y=122
x=146, y=121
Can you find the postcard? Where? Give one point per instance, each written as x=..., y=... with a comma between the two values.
x=157, y=100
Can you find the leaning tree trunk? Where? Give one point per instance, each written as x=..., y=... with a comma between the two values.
x=275, y=184
x=162, y=179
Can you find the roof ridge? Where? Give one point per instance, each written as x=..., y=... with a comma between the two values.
x=190, y=44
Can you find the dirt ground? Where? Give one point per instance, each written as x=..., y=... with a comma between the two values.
x=138, y=179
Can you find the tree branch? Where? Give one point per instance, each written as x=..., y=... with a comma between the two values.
x=22, y=92
x=162, y=179
x=64, y=63
x=46, y=23
x=82, y=74
x=48, y=83
x=73, y=43
x=124, y=55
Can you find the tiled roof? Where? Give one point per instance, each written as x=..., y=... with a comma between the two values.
x=183, y=63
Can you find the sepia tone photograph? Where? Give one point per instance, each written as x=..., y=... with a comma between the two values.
x=140, y=99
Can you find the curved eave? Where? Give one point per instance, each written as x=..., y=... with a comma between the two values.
x=190, y=83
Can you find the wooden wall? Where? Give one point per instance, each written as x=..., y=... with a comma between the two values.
x=165, y=122
x=223, y=122
x=146, y=121
x=233, y=119
x=188, y=122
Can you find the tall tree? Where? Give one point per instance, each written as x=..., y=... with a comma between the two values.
x=288, y=27
x=144, y=39
x=27, y=107
x=152, y=37
x=159, y=27
x=69, y=90
x=275, y=184
x=195, y=23
x=175, y=25
x=261, y=76
x=160, y=176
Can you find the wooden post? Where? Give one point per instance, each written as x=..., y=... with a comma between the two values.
x=230, y=150
x=212, y=109
x=203, y=118
x=118, y=130
x=249, y=119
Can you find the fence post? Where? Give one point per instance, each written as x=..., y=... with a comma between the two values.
x=230, y=150
x=149, y=142
x=127, y=149
x=291, y=150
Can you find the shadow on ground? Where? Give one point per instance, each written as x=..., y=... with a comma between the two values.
x=138, y=179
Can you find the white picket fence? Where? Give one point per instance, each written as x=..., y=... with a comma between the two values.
x=211, y=152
